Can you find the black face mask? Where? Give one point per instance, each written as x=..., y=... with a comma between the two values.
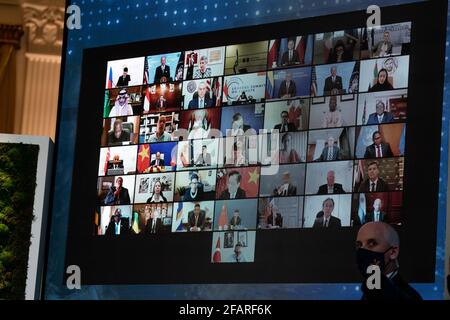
x=365, y=258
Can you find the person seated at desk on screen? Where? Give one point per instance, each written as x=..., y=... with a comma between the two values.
x=157, y=194
x=121, y=106
x=118, y=136
x=324, y=218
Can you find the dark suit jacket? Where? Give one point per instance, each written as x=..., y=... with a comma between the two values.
x=203, y=161
x=159, y=73
x=332, y=223
x=324, y=155
x=278, y=220
x=235, y=223
x=124, y=227
x=395, y=289
x=200, y=221
x=291, y=127
x=123, y=198
x=123, y=81
x=285, y=58
x=292, y=190
x=337, y=189
x=187, y=194
x=381, y=186
x=161, y=163
x=240, y=194
x=292, y=89
x=387, y=117
x=385, y=150
x=193, y=104
x=370, y=215
x=329, y=85
x=158, y=226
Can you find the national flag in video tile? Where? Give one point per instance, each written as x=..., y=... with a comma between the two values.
x=217, y=257
x=223, y=218
x=110, y=79
x=273, y=53
x=146, y=77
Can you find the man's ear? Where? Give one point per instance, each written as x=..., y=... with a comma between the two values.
x=394, y=253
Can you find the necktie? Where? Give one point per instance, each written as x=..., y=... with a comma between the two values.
x=117, y=228
x=372, y=186
x=153, y=225
x=379, y=151
x=325, y=223
x=330, y=154
x=377, y=218
x=290, y=55
x=201, y=103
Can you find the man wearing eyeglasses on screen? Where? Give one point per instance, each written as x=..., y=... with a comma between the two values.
x=378, y=244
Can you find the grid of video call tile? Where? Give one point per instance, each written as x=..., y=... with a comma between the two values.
x=302, y=197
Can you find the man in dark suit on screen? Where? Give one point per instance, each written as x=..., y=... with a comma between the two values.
x=158, y=162
x=233, y=191
x=202, y=100
x=324, y=218
x=376, y=214
x=124, y=79
x=333, y=83
x=290, y=57
x=287, y=88
x=331, y=187
x=374, y=183
x=196, y=218
x=380, y=116
x=162, y=72
x=285, y=125
x=330, y=152
x=378, y=149
x=117, y=226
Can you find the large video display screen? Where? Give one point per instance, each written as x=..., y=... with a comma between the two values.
x=254, y=155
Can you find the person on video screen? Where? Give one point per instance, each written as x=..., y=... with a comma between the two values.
x=160, y=135
x=196, y=218
x=378, y=149
x=190, y=65
x=290, y=56
x=285, y=125
x=287, y=188
x=373, y=183
x=121, y=106
x=234, y=190
x=162, y=72
x=325, y=219
x=333, y=117
x=238, y=256
x=204, y=158
x=157, y=194
x=117, y=194
x=331, y=187
x=124, y=79
x=118, y=135
x=237, y=125
x=331, y=151
x=158, y=161
x=118, y=225
x=380, y=116
x=235, y=221
x=383, y=83
x=287, y=88
x=288, y=154
x=202, y=99
x=199, y=125
x=195, y=190
x=377, y=243
x=153, y=221
x=161, y=103
x=274, y=219
x=333, y=82
x=203, y=71
x=376, y=214
x=383, y=48
x=339, y=53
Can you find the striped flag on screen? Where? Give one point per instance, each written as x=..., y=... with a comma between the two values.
x=146, y=77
